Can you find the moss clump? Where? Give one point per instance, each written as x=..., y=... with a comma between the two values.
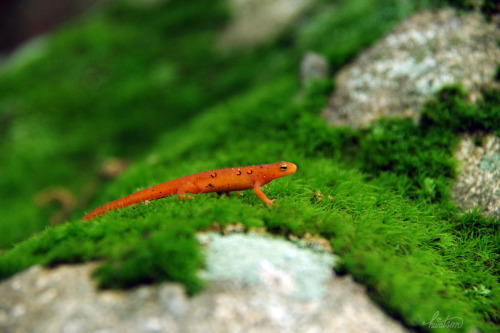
x=379, y=195
x=132, y=72
x=489, y=8
x=135, y=252
x=422, y=154
x=451, y=111
x=414, y=256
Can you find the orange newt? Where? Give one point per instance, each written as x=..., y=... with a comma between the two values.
x=220, y=181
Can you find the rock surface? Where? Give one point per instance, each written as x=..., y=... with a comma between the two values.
x=256, y=21
x=403, y=70
x=257, y=284
x=313, y=66
x=478, y=181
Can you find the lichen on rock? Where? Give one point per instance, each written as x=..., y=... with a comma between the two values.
x=397, y=75
x=478, y=181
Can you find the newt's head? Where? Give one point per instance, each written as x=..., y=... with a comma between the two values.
x=264, y=173
x=283, y=168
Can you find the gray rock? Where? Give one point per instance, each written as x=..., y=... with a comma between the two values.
x=256, y=21
x=313, y=66
x=402, y=71
x=273, y=264
x=257, y=284
x=478, y=181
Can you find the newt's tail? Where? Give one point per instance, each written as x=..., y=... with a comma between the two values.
x=113, y=205
x=150, y=193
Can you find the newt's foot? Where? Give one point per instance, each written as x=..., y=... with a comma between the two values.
x=190, y=197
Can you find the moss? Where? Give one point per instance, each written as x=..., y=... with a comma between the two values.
x=354, y=29
x=422, y=156
x=452, y=111
x=379, y=195
x=489, y=8
x=414, y=257
x=135, y=251
x=133, y=72
x=103, y=86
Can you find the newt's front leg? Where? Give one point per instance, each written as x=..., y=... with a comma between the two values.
x=187, y=187
x=262, y=196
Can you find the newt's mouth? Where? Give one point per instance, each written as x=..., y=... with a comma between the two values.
x=288, y=167
x=291, y=168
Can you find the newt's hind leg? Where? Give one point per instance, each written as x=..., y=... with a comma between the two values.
x=187, y=187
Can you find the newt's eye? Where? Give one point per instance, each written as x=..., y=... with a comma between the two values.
x=283, y=167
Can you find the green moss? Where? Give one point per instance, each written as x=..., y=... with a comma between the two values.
x=489, y=8
x=421, y=155
x=452, y=111
x=414, y=257
x=379, y=195
x=103, y=86
x=354, y=29
x=135, y=252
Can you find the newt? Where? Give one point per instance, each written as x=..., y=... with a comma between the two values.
x=220, y=181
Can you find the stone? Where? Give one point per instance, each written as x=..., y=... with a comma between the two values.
x=429, y=50
x=255, y=283
x=478, y=182
x=313, y=66
x=255, y=21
